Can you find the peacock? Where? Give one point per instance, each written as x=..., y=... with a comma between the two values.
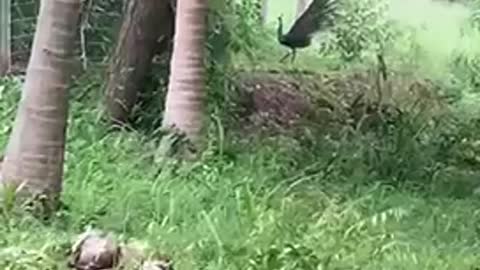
x=317, y=16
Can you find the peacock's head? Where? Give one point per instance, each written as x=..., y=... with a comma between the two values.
x=280, y=29
x=280, y=19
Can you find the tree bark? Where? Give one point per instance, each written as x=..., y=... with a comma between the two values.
x=35, y=150
x=5, y=33
x=186, y=90
x=147, y=29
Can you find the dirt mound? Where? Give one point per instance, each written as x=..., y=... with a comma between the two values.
x=272, y=99
x=278, y=101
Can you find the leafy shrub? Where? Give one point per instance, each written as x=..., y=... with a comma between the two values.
x=361, y=27
x=245, y=27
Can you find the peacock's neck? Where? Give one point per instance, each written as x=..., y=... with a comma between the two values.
x=280, y=30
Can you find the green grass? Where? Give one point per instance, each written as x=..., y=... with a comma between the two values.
x=399, y=198
x=263, y=204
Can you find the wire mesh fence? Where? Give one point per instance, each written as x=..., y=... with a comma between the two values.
x=98, y=24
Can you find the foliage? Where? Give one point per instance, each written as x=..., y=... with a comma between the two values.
x=246, y=28
x=361, y=26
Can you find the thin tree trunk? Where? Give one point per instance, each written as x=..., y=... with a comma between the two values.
x=146, y=23
x=184, y=101
x=264, y=11
x=5, y=44
x=35, y=151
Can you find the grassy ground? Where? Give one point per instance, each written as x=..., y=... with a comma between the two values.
x=396, y=199
x=263, y=204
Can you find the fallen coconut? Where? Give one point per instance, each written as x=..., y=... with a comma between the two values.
x=94, y=250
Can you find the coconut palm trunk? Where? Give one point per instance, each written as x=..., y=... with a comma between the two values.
x=145, y=23
x=35, y=150
x=186, y=90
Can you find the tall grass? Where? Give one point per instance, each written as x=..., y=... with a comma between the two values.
x=258, y=204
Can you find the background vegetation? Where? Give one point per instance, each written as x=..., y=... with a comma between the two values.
x=399, y=195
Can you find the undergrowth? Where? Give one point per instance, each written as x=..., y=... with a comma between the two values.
x=389, y=199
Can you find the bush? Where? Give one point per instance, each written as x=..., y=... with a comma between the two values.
x=361, y=28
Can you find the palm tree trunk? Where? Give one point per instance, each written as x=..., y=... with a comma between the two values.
x=35, y=151
x=145, y=23
x=186, y=90
x=5, y=33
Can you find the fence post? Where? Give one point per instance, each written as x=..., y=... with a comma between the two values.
x=5, y=55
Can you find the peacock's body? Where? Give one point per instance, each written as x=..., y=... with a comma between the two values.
x=316, y=17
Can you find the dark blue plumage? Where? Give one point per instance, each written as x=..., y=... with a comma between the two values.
x=318, y=15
